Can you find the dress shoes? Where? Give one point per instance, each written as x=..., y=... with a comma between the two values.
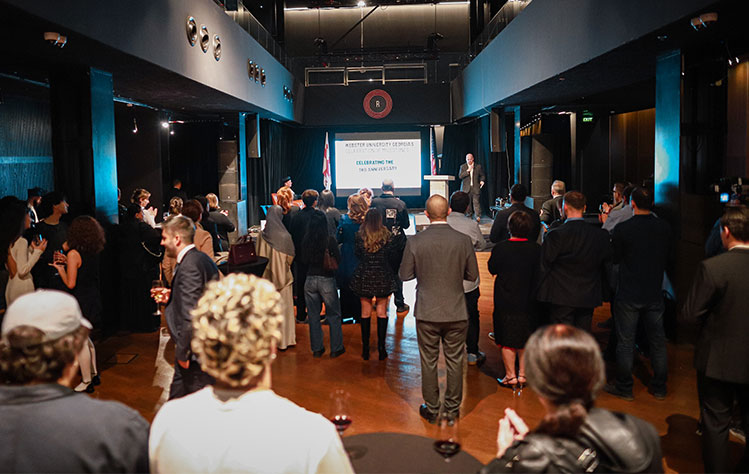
x=335, y=354
x=318, y=354
x=430, y=417
x=402, y=309
x=491, y=336
x=611, y=389
x=476, y=359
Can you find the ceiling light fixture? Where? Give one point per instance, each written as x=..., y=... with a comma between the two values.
x=164, y=124
x=361, y=4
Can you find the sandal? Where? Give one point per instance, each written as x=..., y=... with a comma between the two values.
x=508, y=382
x=522, y=381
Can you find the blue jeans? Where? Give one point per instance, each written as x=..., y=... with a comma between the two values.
x=627, y=315
x=319, y=289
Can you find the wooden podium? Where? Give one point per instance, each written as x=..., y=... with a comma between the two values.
x=439, y=184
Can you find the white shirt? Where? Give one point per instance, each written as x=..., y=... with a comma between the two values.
x=182, y=252
x=257, y=432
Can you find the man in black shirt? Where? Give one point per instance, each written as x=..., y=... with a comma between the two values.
x=298, y=229
x=395, y=218
x=499, y=231
x=641, y=246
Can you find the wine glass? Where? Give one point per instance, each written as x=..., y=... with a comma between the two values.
x=157, y=289
x=448, y=441
x=339, y=410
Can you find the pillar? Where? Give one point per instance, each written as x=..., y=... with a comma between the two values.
x=518, y=149
x=667, y=134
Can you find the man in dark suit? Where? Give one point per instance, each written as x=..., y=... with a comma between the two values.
x=440, y=258
x=395, y=218
x=472, y=180
x=574, y=258
x=193, y=270
x=298, y=229
x=718, y=302
x=499, y=231
x=641, y=247
x=550, y=209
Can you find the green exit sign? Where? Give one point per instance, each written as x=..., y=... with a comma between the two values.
x=587, y=119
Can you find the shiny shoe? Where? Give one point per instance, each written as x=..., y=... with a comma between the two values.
x=430, y=417
x=335, y=354
x=87, y=387
x=402, y=309
x=508, y=382
x=491, y=336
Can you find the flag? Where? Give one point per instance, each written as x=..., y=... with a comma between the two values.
x=326, y=179
x=432, y=150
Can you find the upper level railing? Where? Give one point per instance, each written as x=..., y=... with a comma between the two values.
x=504, y=16
x=249, y=23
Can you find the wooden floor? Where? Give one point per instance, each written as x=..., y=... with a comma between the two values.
x=385, y=395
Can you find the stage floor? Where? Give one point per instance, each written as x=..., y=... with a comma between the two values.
x=385, y=395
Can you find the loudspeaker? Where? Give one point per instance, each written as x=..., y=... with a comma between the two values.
x=497, y=138
x=252, y=125
x=228, y=172
x=542, y=161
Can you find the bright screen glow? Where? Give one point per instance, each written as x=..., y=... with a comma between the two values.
x=366, y=159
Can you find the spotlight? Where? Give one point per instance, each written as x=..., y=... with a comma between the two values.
x=135, y=126
x=361, y=4
x=171, y=133
x=164, y=124
x=736, y=59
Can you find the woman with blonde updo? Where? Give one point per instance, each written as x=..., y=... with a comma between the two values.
x=239, y=424
x=346, y=236
x=175, y=206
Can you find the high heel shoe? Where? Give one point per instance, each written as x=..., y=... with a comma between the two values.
x=87, y=387
x=522, y=381
x=96, y=380
x=508, y=382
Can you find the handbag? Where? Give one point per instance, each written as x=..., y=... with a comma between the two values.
x=329, y=263
x=243, y=251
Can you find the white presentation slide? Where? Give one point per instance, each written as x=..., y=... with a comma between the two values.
x=366, y=159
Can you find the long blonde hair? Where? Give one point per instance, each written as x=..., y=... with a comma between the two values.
x=357, y=208
x=373, y=233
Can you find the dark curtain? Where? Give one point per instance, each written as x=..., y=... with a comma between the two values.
x=285, y=151
x=473, y=137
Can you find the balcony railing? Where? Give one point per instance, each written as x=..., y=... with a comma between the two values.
x=504, y=16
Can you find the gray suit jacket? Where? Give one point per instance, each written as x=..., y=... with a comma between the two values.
x=440, y=258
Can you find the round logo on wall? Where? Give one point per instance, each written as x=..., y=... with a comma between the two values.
x=378, y=104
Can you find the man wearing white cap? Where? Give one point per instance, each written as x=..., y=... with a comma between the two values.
x=46, y=426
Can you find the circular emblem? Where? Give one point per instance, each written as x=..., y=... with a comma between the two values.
x=378, y=104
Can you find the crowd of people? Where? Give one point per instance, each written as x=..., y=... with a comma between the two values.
x=552, y=269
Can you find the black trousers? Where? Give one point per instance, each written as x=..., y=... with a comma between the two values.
x=579, y=317
x=716, y=408
x=472, y=336
x=474, y=206
x=189, y=380
x=300, y=277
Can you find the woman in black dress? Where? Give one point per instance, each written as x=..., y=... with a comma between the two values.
x=374, y=277
x=514, y=262
x=80, y=273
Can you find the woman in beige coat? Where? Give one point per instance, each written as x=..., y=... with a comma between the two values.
x=274, y=242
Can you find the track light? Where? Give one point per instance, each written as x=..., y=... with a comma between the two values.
x=164, y=124
x=135, y=126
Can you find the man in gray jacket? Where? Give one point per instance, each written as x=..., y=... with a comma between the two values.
x=440, y=258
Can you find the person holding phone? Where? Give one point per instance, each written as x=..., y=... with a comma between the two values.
x=19, y=256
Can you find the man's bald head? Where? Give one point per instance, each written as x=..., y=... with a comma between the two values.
x=437, y=208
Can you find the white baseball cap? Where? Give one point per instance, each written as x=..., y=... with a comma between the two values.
x=53, y=312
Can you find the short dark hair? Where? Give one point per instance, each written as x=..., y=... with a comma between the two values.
x=518, y=192
x=34, y=192
x=628, y=192
x=327, y=200
x=520, y=225
x=459, y=201
x=50, y=200
x=575, y=199
x=193, y=209
x=133, y=210
x=736, y=219
x=642, y=197
x=309, y=197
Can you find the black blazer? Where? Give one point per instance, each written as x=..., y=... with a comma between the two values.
x=574, y=258
x=299, y=225
x=465, y=177
x=190, y=277
x=718, y=301
x=500, y=231
x=399, y=212
x=550, y=210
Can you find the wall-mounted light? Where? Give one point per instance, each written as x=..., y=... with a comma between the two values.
x=262, y=77
x=217, y=47
x=191, y=28
x=205, y=38
x=135, y=125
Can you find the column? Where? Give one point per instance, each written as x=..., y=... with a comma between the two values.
x=667, y=133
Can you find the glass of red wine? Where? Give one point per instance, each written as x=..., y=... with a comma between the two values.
x=339, y=410
x=448, y=442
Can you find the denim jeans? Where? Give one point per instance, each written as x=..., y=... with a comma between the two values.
x=318, y=290
x=627, y=315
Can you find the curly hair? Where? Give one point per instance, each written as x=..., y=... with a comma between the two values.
x=284, y=197
x=175, y=205
x=372, y=232
x=86, y=235
x=236, y=324
x=357, y=208
x=24, y=358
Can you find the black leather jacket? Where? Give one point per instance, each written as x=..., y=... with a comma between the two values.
x=607, y=442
